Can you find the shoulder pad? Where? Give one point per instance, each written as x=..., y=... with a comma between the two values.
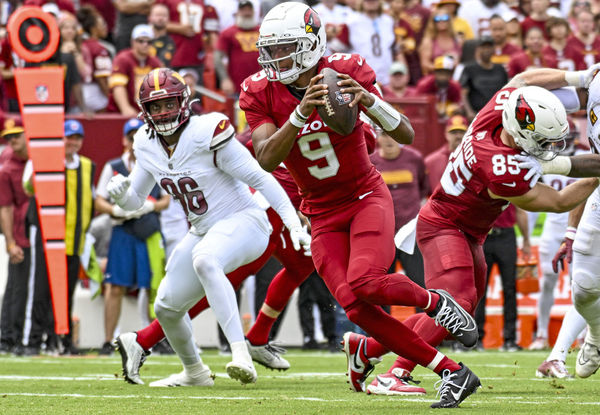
x=255, y=82
x=222, y=131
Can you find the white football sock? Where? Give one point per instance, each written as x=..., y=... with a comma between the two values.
x=572, y=325
x=239, y=352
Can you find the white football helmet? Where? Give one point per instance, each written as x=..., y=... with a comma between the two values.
x=295, y=25
x=537, y=121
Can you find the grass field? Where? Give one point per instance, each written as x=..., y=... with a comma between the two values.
x=314, y=385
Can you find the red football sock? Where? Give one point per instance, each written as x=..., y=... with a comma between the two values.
x=150, y=335
x=259, y=332
x=446, y=363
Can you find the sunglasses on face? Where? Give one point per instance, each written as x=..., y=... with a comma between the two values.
x=582, y=3
x=441, y=18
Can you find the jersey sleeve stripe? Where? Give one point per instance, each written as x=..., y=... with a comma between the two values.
x=220, y=140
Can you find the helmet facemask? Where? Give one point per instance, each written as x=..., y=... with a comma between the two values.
x=166, y=123
x=542, y=147
x=271, y=65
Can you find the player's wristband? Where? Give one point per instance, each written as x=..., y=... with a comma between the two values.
x=383, y=112
x=570, y=233
x=558, y=165
x=575, y=78
x=297, y=119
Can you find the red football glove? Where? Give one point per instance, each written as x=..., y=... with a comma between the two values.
x=565, y=251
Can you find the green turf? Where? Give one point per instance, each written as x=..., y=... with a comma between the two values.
x=314, y=385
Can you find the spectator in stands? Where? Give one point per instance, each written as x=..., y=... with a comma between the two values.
x=107, y=10
x=334, y=17
x=532, y=56
x=70, y=43
x=236, y=54
x=575, y=7
x=129, y=68
x=500, y=248
x=436, y=162
x=439, y=40
x=462, y=29
x=136, y=257
x=481, y=79
x=398, y=86
x=406, y=43
x=503, y=49
x=372, y=36
x=585, y=39
x=513, y=32
x=479, y=12
x=537, y=17
x=569, y=59
x=163, y=43
x=8, y=62
x=95, y=85
x=440, y=84
x=418, y=16
x=13, y=207
x=403, y=171
x=194, y=29
x=130, y=13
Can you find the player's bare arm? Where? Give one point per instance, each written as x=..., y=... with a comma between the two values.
x=554, y=78
x=273, y=145
x=543, y=198
x=403, y=133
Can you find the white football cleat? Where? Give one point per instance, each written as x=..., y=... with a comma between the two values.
x=588, y=359
x=242, y=371
x=553, y=369
x=206, y=378
x=268, y=355
x=133, y=357
x=399, y=382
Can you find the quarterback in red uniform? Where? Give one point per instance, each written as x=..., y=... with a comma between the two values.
x=482, y=176
x=348, y=203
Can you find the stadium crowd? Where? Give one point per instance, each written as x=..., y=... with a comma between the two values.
x=460, y=52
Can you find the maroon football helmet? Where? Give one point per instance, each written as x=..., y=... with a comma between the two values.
x=159, y=84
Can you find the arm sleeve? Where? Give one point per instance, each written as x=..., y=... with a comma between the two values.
x=569, y=98
x=142, y=183
x=235, y=160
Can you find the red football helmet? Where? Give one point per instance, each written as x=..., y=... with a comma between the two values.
x=159, y=84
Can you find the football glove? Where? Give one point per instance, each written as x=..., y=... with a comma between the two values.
x=117, y=187
x=565, y=251
x=300, y=238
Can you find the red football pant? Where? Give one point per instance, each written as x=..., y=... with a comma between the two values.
x=352, y=249
x=454, y=262
x=297, y=267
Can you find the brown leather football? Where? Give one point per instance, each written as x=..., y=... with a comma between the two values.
x=336, y=113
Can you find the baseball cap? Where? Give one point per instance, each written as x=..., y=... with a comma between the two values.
x=445, y=63
x=486, y=40
x=243, y=3
x=51, y=8
x=132, y=124
x=73, y=127
x=142, y=30
x=398, y=67
x=443, y=2
x=12, y=126
x=457, y=122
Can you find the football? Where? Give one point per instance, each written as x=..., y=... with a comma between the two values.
x=336, y=113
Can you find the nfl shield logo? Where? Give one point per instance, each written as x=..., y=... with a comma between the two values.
x=342, y=99
x=41, y=92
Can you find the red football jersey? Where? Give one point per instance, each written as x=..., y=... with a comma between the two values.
x=481, y=162
x=330, y=169
x=239, y=46
x=524, y=61
x=590, y=52
x=569, y=59
x=8, y=59
x=99, y=58
x=189, y=51
x=502, y=55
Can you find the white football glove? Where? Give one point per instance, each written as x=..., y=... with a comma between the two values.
x=534, y=166
x=147, y=207
x=117, y=187
x=119, y=212
x=300, y=238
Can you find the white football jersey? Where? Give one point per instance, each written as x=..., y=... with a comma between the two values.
x=191, y=175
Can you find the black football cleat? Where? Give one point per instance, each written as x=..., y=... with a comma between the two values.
x=455, y=387
x=450, y=315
